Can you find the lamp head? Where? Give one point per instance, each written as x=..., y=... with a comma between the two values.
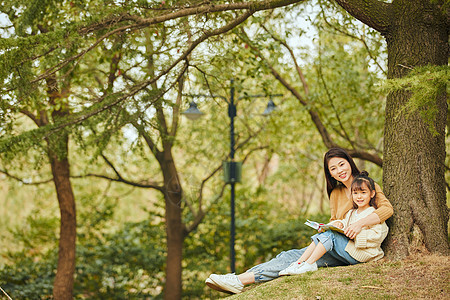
x=192, y=113
x=270, y=108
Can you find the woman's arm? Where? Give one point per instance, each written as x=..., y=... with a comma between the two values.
x=371, y=237
x=384, y=207
x=333, y=207
x=352, y=230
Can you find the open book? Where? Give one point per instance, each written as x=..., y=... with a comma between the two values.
x=318, y=226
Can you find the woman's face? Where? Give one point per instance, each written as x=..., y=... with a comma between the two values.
x=340, y=170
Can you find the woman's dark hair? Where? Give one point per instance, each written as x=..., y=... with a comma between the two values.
x=357, y=185
x=337, y=152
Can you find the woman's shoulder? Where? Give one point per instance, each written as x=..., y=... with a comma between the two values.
x=337, y=194
x=338, y=189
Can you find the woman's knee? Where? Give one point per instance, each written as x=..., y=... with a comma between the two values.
x=291, y=253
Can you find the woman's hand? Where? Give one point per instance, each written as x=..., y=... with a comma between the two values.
x=356, y=227
x=353, y=230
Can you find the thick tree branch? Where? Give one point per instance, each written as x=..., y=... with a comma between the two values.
x=139, y=23
x=141, y=184
x=176, y=107
x=371, y=12
x=148, y=139
x=374, y=158
x=25, y=112
x=209, y=7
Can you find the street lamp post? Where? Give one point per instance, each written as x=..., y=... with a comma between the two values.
x=232, y=115
x=194, y=113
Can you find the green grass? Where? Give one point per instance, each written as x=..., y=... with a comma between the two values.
x=417, y=277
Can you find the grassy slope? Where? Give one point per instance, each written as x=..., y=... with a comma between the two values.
x=417, y=277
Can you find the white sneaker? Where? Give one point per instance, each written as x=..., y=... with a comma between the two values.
x=291, y=267
x=302, y=268
x=213, y=285
x=228, y=283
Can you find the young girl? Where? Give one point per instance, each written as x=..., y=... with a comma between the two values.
x=365, y=247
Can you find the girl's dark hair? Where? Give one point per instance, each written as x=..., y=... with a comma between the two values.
x=337, y=152
x=364, y=179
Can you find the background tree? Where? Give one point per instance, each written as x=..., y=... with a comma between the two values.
x=45, y=106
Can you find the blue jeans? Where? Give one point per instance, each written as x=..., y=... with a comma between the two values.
x=269, y=270
x=335, y=244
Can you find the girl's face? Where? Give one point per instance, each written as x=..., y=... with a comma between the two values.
x=362, y=195
x=340, y=170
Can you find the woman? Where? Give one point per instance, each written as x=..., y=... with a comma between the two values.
x=364, y=248
x=340, y=170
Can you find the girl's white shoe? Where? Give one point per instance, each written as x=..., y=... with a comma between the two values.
x=294, y=266
x=295, y=269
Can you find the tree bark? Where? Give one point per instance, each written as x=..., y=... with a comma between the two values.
x=58, y=151
x=64, y=280
x=174, y=226
x=416, y=33
x=414, y=173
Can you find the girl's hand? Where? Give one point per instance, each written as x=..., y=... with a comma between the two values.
x=338, y=224
x=353, y=230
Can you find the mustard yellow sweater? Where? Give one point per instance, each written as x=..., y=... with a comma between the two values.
x=340, y=204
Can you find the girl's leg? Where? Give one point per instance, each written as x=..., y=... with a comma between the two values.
x=295, y=265
x=323, y=243
x=270, y=270
x=320, y=255
x=319, y=251
x=338, y=251
x=306, y=255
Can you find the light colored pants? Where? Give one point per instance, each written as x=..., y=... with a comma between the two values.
x=269, y=270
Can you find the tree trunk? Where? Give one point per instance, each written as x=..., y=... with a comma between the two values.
x=58, y=151
x=174, y=227
x=413, y=157
x=63, y=284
